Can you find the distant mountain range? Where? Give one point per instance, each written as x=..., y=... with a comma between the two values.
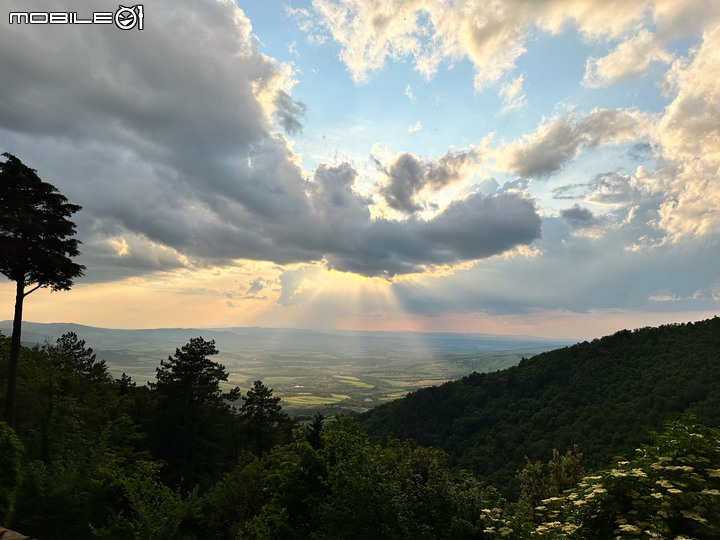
x=258, y=338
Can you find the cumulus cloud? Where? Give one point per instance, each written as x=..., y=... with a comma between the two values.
x=689, y=137
x=559, y=140
x=408, y=176
x=172, y=141
x=492, y=35
x=579, y=218
x=473, y=228
x=630, y=59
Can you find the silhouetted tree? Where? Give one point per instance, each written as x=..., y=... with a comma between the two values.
x=265, y=422
x=313, y=431
x=192, y=430
x=36, y=246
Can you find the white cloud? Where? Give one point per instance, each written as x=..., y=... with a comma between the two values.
x=492, y=35
x=689, y=135
x=409, y=93
x=415, y=127
x=513, y=95
x=630, y=59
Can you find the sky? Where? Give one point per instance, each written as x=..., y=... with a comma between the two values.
x=538, y=167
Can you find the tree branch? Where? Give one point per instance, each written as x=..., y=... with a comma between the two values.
x=32, y=290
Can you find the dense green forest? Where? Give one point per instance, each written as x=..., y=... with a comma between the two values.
x=92, y=456
x=603, y=396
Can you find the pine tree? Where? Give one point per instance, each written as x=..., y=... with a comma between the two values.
x=265, y=422
x=194, y=418
x=36, y=247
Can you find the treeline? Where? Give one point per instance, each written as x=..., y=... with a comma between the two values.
x=92, y=456
x=92, y=443
x=603, y=396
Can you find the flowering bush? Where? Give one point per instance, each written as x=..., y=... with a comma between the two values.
x=670, y=489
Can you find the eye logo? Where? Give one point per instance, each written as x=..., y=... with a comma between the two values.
x=126, y=18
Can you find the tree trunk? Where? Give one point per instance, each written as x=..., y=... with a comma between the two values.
x=14, y=354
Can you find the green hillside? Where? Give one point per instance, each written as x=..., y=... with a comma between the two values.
x=604, y=396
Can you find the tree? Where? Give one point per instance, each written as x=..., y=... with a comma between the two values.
x=265, y=422
x=193, y=424
x=36, y=247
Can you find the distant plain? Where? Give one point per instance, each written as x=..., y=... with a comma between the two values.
x=311, y=370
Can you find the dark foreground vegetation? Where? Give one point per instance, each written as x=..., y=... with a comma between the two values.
x=92, y=456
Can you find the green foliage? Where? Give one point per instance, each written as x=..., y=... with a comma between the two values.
x=150, y=510
x=239, y=495
x=351, y=488
x=11, y=450
x=603, y=396
x=538, y=481
x=313, y=431
x=192, y=428
x=670, y=489
x=88, y=470
x=73, y=412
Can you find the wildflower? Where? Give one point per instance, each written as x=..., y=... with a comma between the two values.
x=710, y=492
x=570, y=528
x=685, y=468
x=693, y=515
x=713, y=473
x=674, y=490
x=632, y=529
x=505, y=531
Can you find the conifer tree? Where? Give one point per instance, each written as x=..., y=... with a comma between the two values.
x=36, y=247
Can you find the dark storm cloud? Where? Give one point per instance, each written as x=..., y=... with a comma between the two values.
x=169, y=138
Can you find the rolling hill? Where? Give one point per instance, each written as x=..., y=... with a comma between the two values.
x=603, y=396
